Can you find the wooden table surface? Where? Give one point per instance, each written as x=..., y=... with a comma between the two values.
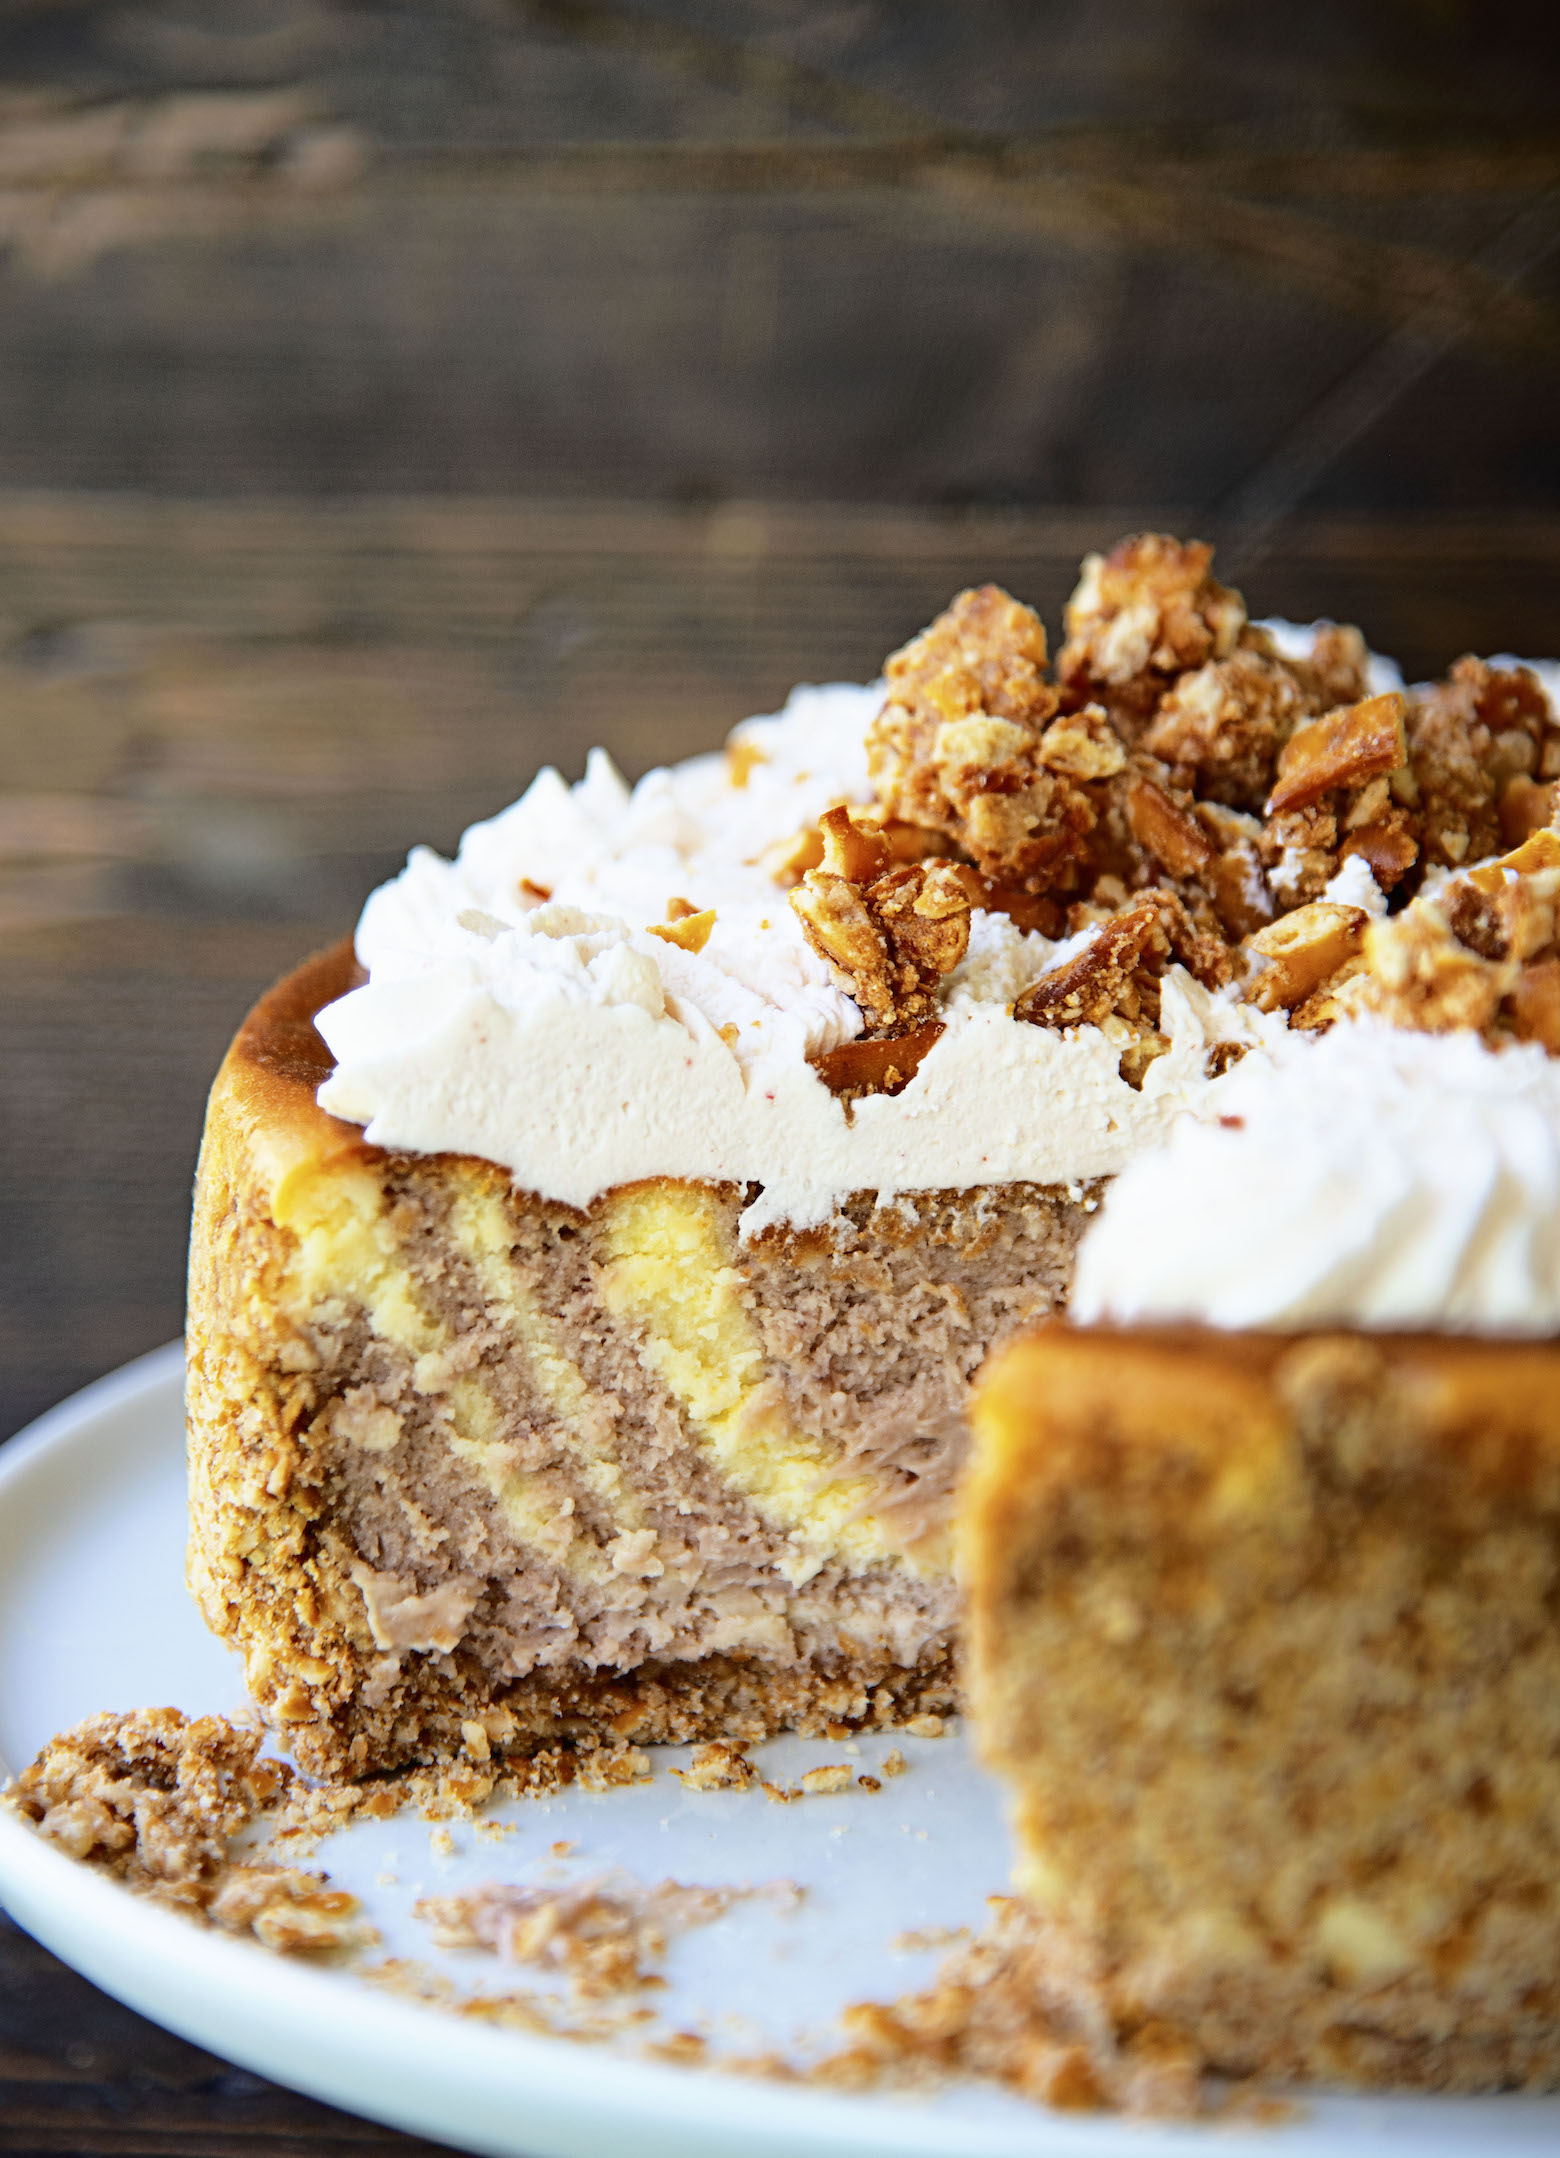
x=394, y=398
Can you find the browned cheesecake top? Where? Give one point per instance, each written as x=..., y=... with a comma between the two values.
x=264, y=1093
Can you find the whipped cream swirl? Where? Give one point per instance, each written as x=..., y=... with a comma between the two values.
x=1368, y=1178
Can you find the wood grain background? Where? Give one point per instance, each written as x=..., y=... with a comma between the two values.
x=394, y=397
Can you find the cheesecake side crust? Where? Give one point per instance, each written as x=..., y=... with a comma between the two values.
x=460, y=1458
x=1263, y=1643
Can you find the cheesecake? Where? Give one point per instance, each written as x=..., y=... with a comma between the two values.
x=1262, y=1645
x=591, y=1263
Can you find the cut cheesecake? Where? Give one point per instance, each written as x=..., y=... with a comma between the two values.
x=473, y=1468
x=586, y=1290
x=1262, y=1642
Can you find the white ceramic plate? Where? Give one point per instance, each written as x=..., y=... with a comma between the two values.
x=94, y=1615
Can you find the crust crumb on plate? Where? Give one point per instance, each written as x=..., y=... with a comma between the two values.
x=155, y=1799
x=606, y=1934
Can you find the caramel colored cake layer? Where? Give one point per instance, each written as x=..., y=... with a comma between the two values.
x=1263, y=1643
x=464, y=1458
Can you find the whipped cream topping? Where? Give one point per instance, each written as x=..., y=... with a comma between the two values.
x=1354, y=886
x=1365, y=1177
x=519, y=1008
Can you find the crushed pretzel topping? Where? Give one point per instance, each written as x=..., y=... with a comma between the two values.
x=1166, y=829
x=1222, y=728
x=1479, y=952
x=689, y=931
x=1189, y=793
x=1360, y=742
x=875, y=1065
x=1337, y=668
x=789, y=860
x=1481, y=738
x=1338, y=792
x=1146, y=612
x=1301, y=951
x=1082, y=745
x=889, y=933
x=1113, y=982
x=1233, y=879
x=1182, y=754
x=1526, y=805
x=741, y=756
x=960, y=744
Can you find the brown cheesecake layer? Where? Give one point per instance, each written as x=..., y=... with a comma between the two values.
x=471, y=1468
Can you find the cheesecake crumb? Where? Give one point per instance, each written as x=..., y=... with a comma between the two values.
x=722, y=1765
x=685, y=2049
x=155, y=1799
x=919, y=1939
x=825, y=1780
x=538, y=2013
x=605, y=1935
x=894, y=1763
x=608, y=1768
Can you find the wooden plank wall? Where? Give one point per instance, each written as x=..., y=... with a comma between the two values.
x=1082, y=252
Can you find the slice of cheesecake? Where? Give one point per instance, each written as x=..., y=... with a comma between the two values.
x=1263, y=1643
